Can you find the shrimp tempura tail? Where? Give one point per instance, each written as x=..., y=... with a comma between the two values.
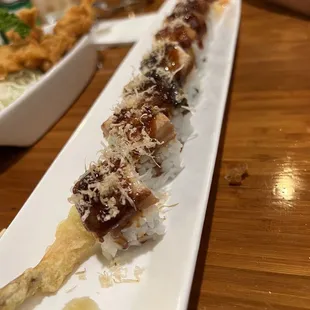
x=72, y=245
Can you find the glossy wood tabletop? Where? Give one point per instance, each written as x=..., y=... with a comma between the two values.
x=255, y=249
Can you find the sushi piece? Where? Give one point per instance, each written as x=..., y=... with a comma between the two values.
x=138, y=131
x=139, y=125
x=156, y=88
x=141, y=138
x=111, y=201
x=146, y=225
x=171, y=57
x=108, y=195
x=192, y=18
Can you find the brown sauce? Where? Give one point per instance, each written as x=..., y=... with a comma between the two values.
x=166, y=94
x=172, y=61
x=169, y=62
x=97, y=208
x=185, y=36
x=144, y=120
x=193, y=19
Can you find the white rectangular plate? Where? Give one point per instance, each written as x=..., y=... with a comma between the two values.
x=169, y=264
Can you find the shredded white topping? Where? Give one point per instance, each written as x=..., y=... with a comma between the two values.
x=118, y=274
x=105, y=280
x=103, y=184
x=132, y=90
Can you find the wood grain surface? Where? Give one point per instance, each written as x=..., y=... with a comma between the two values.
x=255, y=248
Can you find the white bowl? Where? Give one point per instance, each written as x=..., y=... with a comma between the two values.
x=25, y=120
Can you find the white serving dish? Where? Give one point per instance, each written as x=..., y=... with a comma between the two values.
x=169, y=264
x=25, y=120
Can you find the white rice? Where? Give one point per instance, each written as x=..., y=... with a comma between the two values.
x=182, y=124
x=167, y=160
x=148, y=226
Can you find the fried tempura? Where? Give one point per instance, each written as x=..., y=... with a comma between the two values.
x=8, y=61
x=77, y=20
x=39, y=51
x=31, y=55
x=72, y=245
x=29, y=17
x=55, y=45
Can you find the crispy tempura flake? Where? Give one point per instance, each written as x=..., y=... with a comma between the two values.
x=118, y=274
x=81, y=274
x=72, y=245
x=236, y=174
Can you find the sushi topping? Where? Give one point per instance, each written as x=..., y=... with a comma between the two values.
x=105, y=194
x=157, y=88
x=165, y=55
x=132, y=132
x=193, y=19
x=177, y=31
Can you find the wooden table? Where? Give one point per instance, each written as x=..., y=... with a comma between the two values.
x=255, y=249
